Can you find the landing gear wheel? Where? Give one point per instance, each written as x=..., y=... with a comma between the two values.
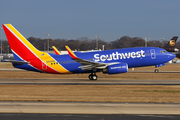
x=93, y=77
x=90, y=77
x=156, y=70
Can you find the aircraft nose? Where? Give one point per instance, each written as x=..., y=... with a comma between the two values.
x=171, y=56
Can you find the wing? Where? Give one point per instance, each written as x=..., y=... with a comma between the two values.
x=56, y=51
x=86, y=64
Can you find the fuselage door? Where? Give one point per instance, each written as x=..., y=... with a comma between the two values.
x=153, y=54
x=44, y=66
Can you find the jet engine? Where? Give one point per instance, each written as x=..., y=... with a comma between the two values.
x=117, y=68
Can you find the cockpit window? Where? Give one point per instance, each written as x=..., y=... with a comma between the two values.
x=163, y=51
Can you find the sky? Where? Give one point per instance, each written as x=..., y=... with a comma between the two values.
x=107, y=19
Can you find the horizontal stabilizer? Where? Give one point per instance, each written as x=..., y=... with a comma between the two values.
x=16, y=62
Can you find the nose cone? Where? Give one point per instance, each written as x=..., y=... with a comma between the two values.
x=171, y=56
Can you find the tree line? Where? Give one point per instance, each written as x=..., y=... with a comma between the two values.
x=84, y=44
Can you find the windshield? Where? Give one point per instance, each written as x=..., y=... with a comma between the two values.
x=163, y=51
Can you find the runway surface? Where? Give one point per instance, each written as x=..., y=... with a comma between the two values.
x=20, y=116
x=89, y=108
x=78, y=110
x=88, y=82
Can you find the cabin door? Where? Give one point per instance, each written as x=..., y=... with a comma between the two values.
x=153, y=54
x=44, y=66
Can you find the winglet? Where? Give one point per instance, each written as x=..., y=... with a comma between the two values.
x=56, y=51
x=72, y=55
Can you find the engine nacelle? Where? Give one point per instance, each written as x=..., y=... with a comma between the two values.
x=117, y=68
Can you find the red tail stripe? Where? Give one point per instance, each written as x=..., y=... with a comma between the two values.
x=24, y=52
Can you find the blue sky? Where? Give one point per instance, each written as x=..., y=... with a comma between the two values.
x=108, y=19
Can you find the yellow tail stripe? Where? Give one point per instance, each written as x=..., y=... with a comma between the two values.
x=45, y=57
x=55, y=50
x=71, y=53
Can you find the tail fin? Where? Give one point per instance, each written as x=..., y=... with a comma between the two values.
x=24, y=51
x=172, y=42
x=21, y=48
x=170, y=46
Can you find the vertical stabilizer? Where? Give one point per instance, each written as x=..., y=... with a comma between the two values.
x=23, y=50
x=170, y=46
x=172, y=42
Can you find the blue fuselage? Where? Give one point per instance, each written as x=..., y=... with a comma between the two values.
x=134, y=57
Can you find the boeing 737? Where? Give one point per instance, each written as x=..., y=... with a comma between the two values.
x=108, y=61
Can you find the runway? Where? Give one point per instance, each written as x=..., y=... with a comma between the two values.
x=89, y=108
x=36, y=116
x=83, y=110
x=88, y=82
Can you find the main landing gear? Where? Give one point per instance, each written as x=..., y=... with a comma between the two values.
x=93, y=76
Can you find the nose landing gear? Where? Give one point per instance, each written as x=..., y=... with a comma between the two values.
x=156, y=70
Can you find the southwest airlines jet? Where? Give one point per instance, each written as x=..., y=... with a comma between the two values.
x=108, y=61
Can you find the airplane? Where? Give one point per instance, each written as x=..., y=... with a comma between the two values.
x=170, y=46
x=108, y=61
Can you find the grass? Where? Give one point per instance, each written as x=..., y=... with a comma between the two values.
x=162, y=91
x=6, y=65
x=93, y=93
